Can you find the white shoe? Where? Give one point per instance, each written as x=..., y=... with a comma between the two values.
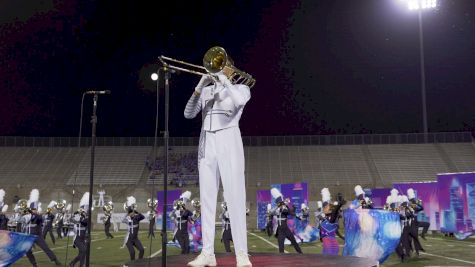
x=242, y=260
x=204, y=259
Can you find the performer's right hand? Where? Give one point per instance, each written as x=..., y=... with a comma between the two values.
x=205, y=80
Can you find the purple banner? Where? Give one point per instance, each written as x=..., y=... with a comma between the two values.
x=262, y=199
x=457, y=203
x=378, y=196
x=428, y=193
x=172, y=195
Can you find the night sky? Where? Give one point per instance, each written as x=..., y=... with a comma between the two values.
x=322, y=66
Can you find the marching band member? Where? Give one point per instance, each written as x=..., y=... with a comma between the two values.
x=281, y=212
x=319, y=214
x=79, y=220
x=417, y=206
x=31, y=223
x=226, y=235
x=269, y=220
x=221, y=155
x=329, y=223
x=48, y=218
x=181, y=215
x=59, y=217
x=409, y=223
x=3, y=208
x=108, y=208
x=152, y=205
x=361, y=199
x=132, y=220
x=392, y=204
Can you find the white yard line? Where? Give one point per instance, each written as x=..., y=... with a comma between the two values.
x=156, y=253
x=267, y=241
x=448, y=258
x=71, y=244
x=446, y=240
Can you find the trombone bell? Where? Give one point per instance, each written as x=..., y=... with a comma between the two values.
x=214, y=61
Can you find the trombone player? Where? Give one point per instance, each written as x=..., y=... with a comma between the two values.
x=220, y=152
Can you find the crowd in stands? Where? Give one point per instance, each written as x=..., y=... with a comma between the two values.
x=182, y=168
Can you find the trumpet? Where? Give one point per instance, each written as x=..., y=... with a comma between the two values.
x=197, y=212
x=152, y=204
x=214, y=61
x=60, y=204
x=23, y=206
x=108, y=208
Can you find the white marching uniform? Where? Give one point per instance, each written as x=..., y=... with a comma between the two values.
x=221, y=154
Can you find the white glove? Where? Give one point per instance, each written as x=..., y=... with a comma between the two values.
x=224, y=80
x=205, y=80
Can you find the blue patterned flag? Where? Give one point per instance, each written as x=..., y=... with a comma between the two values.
x=371, y=234
x=13, y=246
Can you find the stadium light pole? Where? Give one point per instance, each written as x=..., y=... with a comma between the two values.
x=420, y=6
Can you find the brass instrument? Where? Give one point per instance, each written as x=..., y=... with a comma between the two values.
x=177, y=204
x=23, y=206
x=108, y=208
x=59, y=206
x=152, y=204
x=197, y=206
x=214, y=61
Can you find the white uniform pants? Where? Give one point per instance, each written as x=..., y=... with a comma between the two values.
x=223, y=157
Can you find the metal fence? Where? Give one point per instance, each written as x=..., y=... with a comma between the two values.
x=298, y=140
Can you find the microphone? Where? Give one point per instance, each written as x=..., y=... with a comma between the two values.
x=104, y=92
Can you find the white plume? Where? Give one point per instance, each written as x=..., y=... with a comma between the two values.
x=2, y=195
x=68, y=207
x=269, y=207
x=388, y=200
x=4, y=208
x=326, y=197
x=34, y=196
x=131, y=201
x=186, y=195
x=394, y=192
x=84, y=200
x=52, y=204
x=410, y=193
x=40, y=210
x=303, y=206
x=358, y=190
x=276, y=193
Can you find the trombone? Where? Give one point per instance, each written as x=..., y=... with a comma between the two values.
x=214, y=61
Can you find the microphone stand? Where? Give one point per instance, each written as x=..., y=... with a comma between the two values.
x=91, y=178
x=166, y=72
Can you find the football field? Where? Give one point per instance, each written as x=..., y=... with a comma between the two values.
x=440, y=250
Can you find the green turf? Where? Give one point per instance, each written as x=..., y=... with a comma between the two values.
x=107, y=252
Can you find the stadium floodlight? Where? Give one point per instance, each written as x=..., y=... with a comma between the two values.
x=154, y=76
x=420, y=4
